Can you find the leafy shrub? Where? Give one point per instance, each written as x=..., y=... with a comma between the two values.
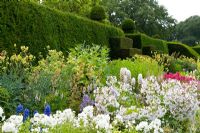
x=175, y=66
x=37, y=26
x=88, y=64
x=174, y=63
x=148, y=50
x=197, y=49
x=5, y=100
x=4, y=95
x=139, y=64
x=49, y=82
x=182, y=49
x=98, y=13
x=128, y=26
x=142, y=40
x=14, y=75
x=119, y=43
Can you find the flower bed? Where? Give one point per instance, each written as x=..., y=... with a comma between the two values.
x=124, y=105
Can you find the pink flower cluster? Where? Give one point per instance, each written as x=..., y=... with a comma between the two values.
x=177, y=76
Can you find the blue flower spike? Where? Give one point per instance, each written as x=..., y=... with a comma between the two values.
x=47, y=110
x=26, y=114
x=19, y=109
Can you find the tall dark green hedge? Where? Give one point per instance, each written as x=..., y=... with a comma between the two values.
x=37, y=26
x=182, y=49
x=197, y=49
x=142, y=40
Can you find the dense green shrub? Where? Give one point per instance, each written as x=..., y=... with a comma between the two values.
x=98, y=13
x=139, y=64
x=142, y=40
x=4, y=95
x=175, y=66
x=5, y=99
x=128, y=26
x=49, y=82
x=197, y=49
x=88, y=64
x=137, y=43
x=118, y=43
x=173, y=63
x=38, y=26
x=148, y=50
x=182, y=49
x=14, y=75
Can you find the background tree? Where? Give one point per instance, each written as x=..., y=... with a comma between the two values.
x=149, y=16
x=188, y=31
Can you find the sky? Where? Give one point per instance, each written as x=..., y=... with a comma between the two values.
x=181, y=9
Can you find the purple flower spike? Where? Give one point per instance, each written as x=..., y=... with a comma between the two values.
x=86, y=102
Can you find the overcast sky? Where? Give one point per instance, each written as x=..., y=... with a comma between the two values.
x=181, y=9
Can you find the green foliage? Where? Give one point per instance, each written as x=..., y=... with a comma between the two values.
x=14, y=75
x=69, y=128
x=4, y=100
x=175, y=66
x=80, y=7
x=137, y=43
x=188, y=31
x=4, y=95
x=172, y=63
x=197, y=49
x=118, y=43
x=148, y=50
x=37, y=26
x=25, y=127
x=197, y=122
x=182, y=49
x=88, y=64
x=98, y=13
x=139, y=64
x=49, y=82
x=128, y=26
x=150, y=18
x=142, y=40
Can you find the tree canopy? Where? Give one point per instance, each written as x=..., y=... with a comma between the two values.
x=149, y=16
x=188, y=31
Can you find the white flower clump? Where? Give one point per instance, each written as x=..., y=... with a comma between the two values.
x=125, y=75
x=106, y=97
x=154, y=126
x=102, y=122
x=12, y=124
x=2, y=117
x=85, y=117
x=126, y=83
x=181, y=99
x=140, y=78
x=51, y=121
x=151, y=92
